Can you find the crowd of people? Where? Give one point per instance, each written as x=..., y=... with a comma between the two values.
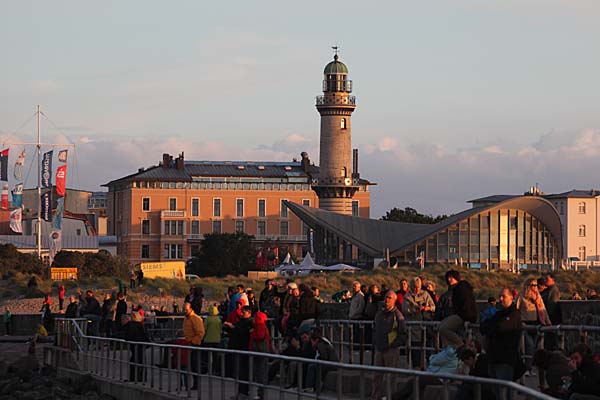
x=239, y=322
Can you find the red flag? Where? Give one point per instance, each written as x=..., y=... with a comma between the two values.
x=4, y=200
x=61, y=180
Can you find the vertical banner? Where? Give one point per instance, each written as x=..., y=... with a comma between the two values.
x=17, y=195
x=18, y=170
x=47, y=169
x=58, y=215
x=4, y=165
x=62, y=156
x=46, y=210
x=4, y=197
x=55, y=244
x=61, y=180
x=15, y=220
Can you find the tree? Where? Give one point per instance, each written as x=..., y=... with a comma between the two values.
x=92, y=264
x=224, y=254
x=411, y=215
x=12, y=260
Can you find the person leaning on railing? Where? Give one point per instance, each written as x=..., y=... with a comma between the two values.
x=389, y=328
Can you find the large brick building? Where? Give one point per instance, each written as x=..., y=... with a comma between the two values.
x=163, y=212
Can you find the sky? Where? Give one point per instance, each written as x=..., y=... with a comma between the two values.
x=456, y=99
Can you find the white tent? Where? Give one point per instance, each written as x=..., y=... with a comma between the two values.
x=288, y=260
x=304, y=268
x=342, y=267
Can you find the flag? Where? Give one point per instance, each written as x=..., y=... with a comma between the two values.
x=18, y=171
x=4, y=165
x=17, y=195
x=15, y=220
x=61, y=180
x=58, y=215
x=46, y=211
x=62, y=155
x=47, y=169
x=55, y=244
x=4, y=198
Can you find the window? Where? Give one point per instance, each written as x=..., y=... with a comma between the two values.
x=239, y=226
x=582, y=230
x=562, y=208
x=343, y=123
x=262, y=205
x=172, y=204
x=195, y=207
x=173, y=227
x=145, y=251
x=283, y=228
x=239, y=207
x=355, y=208
x=145, y=227
x=283, y=213
x=145, y=203
x=78, y=232
x=216, y=207
x=306, y=202
x=195, y=227
x=173, y=251
x=216, y=226
x=261, y=228
x=582, y=253
x=582, y=207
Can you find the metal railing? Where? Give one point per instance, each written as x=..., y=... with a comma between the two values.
x=204, y=372
x=352, y=339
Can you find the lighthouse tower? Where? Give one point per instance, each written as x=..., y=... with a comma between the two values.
x=338, y=171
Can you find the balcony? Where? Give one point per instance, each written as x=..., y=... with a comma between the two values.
x=336, y=100
x=281, y=238
x=195, y=237
x=172, y=214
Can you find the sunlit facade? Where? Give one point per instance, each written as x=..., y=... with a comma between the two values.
x=499, y=238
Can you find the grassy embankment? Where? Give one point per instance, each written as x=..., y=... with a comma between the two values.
x=485, y=283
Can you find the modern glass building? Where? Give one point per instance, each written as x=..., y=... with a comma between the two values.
x=521, y=231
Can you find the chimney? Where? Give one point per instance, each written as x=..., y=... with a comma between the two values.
x=179, y=162
x=355, y=173
x=166, y=163
x=305, y=162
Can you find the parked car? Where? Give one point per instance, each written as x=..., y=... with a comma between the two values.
x=191, y=277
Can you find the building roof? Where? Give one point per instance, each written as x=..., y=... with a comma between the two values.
x=583, y=194
x=374, y=236
x=495, y=198
x=69, y=242
x=335, y=67
x=219, y=169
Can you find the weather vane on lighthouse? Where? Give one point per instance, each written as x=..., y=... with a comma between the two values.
x=336, y=49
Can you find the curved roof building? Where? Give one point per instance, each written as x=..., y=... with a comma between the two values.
x=518, y=231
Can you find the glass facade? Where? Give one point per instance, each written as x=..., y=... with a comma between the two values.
x=497, y=238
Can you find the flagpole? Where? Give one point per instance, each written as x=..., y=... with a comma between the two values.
x=39, y=187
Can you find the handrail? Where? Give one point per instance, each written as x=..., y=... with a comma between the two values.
x=337, y=366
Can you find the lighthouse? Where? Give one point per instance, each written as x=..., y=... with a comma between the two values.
x=338, y=164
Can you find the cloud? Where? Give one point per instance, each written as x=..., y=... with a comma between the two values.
x=440, y=180
x=427, y=176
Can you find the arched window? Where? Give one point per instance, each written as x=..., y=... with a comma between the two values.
x=582, y=207
x=582, y=253
x=582, y=230
x=343, y=123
